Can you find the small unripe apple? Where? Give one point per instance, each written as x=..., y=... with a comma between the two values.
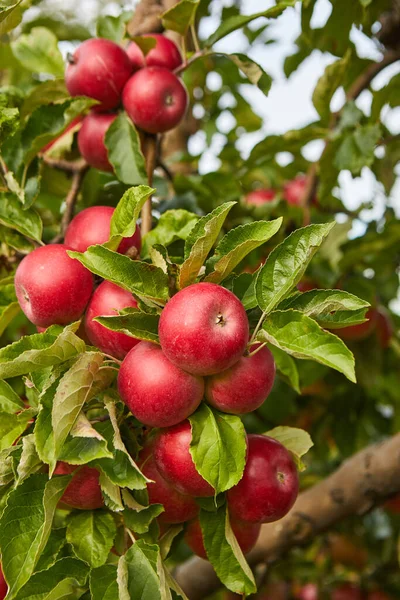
x=3, y=585
x=164, y=54
x=155, y=99
x=175, y=463
x=106, y=301
x=347, y=591
x=245, y=386
x=204, y=329
x=246, y=535
x=84, y=490
x=92, y=226
x=293, y=191
x=270, y=483
x=91, y=142
x=51, y=287
x=360, y=332
x=98, y=69
x=260, y=197
x=157, y=392
x=178, y=508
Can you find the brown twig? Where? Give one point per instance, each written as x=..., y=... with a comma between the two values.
x=75, y=166
x=150, y=155
x=364, y=481
x=70, y=201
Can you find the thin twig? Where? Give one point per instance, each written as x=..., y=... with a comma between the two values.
x=75, y=166
x=167, y=171
x=70, y=201
x=150, y=155
x=195, y=39
x=191, y=60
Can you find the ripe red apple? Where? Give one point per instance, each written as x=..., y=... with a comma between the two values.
x=204, y=329
x=362, y=331
x=384, y=327
x=107, y=300
x=164, y=54
x=260, y=197
x=178, y=507
x=245, y=386
x=246, y=535
x=308, y=592
x=3, y=585
x=92, y=226
x=175, y=463
x=347, y=591
x=73, y=124
x=155, y=99
x=84, y=490
x=270, y=483
x=293, y=191
x=91, y=140
x=51, y=287
x=157, y=392
x=99, y=69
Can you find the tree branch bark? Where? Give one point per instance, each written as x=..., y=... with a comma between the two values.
x=78, y=173
x=362, y=482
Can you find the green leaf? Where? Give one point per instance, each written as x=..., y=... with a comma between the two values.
x=172, y=225
x=64, y=579
x=237, y=243
x=10, y=402
x=287, y=263
x=53, y=91
x=357, y=149
x=137, y=572
x=9, y=122
x=52, y=549
x=200, y=241
x=139, y=278
x=238, y=21
x=252, y=70
x=9, y=306
x=297, y=441
x=332, y=309
x=25, y=527
x=12, y=426
x=286, y=366
x=126, y=214
x=218, y=447
x=35, y=352
x=12, y=215
x=181, y=16
x=103, y=583
x=224, y=552
x=124, y=153
x=10, y=17
x=38, y=52
x=135, y=323
x=139, y=521
x=113, y=28
x=328, y=84
x=29, y=462
x=302, y=337
x=91, y=534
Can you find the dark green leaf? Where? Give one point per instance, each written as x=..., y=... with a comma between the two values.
x=134, y=323
x=9, y=306
x=172, y=225
x=91, y=534
x=26, y=222
x=328, y=84
x=124, y=153
x=139, y=521
x=65, y=579
x=357, y=149
x=286, y=366
x=103, y=583
x=137, y=572
x=9, y=121
x=181, y=16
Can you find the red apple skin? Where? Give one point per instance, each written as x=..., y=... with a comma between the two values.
x=91, y=140
x=164, y=54
x=3, y=585
x=178, y=508
x=106, y=301
x=308, y=592
x=384, y=328
x=260, y=197
x=355, y=333
x=99, y=70
x=307, y=285
x=92, y=226
x=347, y=591
x=270, y=483
x=245, y=386
x=246, y=535
x=158, y=393
x=155, y=99
x=175, y=463
x=84, y=490
x=293, y=191
x=204, y=329
x=51, y=287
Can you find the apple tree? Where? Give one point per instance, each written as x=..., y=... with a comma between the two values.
x=199, y=380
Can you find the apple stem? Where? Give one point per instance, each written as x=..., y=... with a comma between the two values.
x=253, y=337
x=150, y=154
x=257, y=349
x=70, y=58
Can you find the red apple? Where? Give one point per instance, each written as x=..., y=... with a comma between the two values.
x=155, y=99
x=243, y=387
x=384, y=327
x=91, y=140
x=3, y=585
x=204, y=329
x=293, y=191
x=307, y=285
x=92, y=226
x=362, y=331
x=260, y=197
x=178, y=508
x=73, y=124
x=157, y=392
x=270, y=483
x=164, y=54
x=84, y=490
x=308, y=592
x=347, y=591
x=246, y=535
x=51, y=287
x=107, y=300
x=175, y=463
x=99, y=69
x=393, y=505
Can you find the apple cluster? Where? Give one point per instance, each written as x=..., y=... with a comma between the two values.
x=292, y=193
x=144, y=84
